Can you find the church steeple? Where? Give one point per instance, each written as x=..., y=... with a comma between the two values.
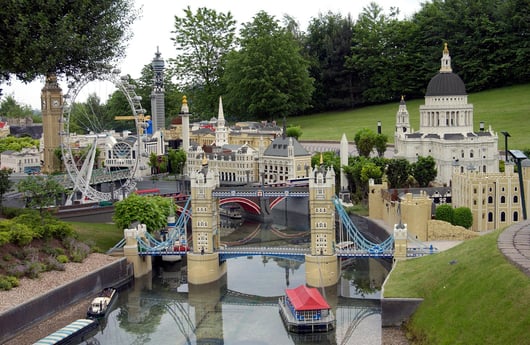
x=221, y=132
x=446, y=61
x=402, y=118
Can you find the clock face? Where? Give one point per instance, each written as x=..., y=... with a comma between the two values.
x=55, y=103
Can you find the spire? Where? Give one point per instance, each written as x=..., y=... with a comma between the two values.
x=446, y=61
x=220, y=115
x=184, y=108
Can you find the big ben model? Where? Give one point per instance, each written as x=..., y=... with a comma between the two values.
x=52, y=126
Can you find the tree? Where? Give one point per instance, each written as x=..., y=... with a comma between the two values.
x=380, y=144
x=365, y=140
x=41, y=38
x=267, y=78
x=177, y=160
x=40, y=192
x=149, y=210
x=445, y=212
x=9, y=108
x=294, y=131
x=462, y=216
x=202, y=40
x=397, y=172
x=5, y=184
x=424, y=170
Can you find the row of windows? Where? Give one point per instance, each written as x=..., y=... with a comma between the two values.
x=202, y=224
x=502, y=200
x=320, y=210
x=321, y=225
x=503, y=216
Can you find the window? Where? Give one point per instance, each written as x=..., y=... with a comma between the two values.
x=503, y=199
x=503, y=217
x=515, y=199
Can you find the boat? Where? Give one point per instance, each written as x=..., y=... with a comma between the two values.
x=231, y=212
x=73, y=333
x=304, y=310
x=100, y=305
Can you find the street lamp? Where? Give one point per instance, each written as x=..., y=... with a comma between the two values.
x=520, y=156
x=379, y=127
x=506, y=135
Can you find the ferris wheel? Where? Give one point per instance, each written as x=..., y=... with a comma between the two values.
x=84, y=166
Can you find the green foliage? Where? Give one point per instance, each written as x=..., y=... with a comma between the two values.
x=149, y=210
x=202, y=40
x=424, y=170
x=462, y=216
x=21, y=234
x=5, y=237
x=445, y=212
x=365, y=140
x=91, y=36
x=8, y=282
x=268, y=77
x=177, y=160
x=397, y=172
x=40, y=191
x=62, y=259
x=17, y=144
x=294, y=131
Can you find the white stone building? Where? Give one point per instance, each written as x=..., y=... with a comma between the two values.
x=446, y=129
x=27, y=161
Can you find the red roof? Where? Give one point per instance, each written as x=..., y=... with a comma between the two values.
x=306, y=298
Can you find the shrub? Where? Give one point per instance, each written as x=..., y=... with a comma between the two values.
x=18, y=270
x=22, y=234
x=62, y=258
x=445, y=212
x=53, y=264
x=8, y=282
x=5, y=237
x=35, y=269
x=7, y=257
x=462, y=216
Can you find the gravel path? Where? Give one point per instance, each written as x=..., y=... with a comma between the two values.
x=30, y=288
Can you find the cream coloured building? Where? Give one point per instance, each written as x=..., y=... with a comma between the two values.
x=494, y=198
x=26, y=161
x=446, y=129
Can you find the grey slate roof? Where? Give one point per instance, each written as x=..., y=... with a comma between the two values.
x=446, y=84
x=279, y=147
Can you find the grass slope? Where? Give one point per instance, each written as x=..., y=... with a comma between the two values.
x=472, y=295
x=102, y=236
x=504, y=109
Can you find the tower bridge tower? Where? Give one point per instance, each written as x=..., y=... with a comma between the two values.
x=322, y=265
x=203, y=262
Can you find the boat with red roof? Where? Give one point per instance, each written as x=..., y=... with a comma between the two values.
x=304, y=310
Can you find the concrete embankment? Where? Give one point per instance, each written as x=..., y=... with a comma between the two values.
x=17, y=319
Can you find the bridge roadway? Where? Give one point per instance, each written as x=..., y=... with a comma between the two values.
x=295, y=253
x=267, y=191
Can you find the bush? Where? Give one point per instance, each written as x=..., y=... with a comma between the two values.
x=22, y=235
x=445, y=212
x=8, y=282
x=35, y=269
x=5, y=237
x=18, y=270
x=462, y=216
x=62, y=258
x=53, y=264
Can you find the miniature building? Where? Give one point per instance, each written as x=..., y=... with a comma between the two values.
x=446, y=129
x=26, y=161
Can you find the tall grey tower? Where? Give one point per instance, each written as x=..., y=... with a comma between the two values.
x=158, y=116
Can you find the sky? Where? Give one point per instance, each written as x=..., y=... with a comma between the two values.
x=152, y=31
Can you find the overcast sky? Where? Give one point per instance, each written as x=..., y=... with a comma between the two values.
x=154, y=27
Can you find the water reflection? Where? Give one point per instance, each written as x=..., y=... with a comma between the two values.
x=242, y=307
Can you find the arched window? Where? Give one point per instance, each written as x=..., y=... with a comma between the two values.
x=515, y=199
x=503, y=199
x=490, y=217
x=503, y=217
x=515, y=216
x=471, y=154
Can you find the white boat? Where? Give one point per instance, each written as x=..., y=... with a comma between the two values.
x=233, y=212
x=102, y=303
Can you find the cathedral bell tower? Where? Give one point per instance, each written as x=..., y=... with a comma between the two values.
x=52, y=108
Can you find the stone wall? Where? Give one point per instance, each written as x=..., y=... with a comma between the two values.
x=17, y=319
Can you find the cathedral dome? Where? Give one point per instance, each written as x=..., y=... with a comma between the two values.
x=446, y=84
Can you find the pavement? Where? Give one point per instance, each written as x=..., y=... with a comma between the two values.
x=514, y=243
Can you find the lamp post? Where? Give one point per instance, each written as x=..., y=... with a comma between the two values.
x=506, y=135
x=519, y=156
x=379, y=127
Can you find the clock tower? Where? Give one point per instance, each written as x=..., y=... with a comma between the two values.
x=52, y=126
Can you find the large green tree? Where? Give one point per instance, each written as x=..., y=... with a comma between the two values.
x=268, y=77
x=202, y=40
x=5, y=184
x=327, y=44
x=398, y=171
x=42, y=37
x=10, y=108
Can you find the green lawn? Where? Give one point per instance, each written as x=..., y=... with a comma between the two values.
x=102, y=236
x=472, y=295
x=505, y=109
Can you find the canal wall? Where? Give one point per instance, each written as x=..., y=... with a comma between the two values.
x=23, y=316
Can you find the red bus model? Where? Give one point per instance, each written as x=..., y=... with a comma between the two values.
x=147, y=192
